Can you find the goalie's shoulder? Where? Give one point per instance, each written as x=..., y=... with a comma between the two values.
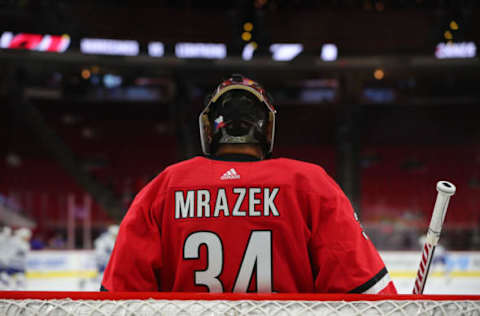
x=306, y=175
x=157, y=186
x=185, y=164
x=300, y=166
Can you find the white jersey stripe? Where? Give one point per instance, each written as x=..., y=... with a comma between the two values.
x=380, y=285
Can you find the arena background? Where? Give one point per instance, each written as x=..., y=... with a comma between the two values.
x=383, y=94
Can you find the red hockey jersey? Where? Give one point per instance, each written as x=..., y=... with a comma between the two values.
x=276, y=225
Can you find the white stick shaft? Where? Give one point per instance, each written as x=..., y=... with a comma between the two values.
x=445, y=191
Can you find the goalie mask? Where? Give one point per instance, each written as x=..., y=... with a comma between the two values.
x=238, y=112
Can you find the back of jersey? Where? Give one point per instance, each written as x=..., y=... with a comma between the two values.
x=235, y=227
x=274, y=225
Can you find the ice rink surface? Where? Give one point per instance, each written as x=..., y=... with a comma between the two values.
x=442, y=285
x=457, y=272
x=76, y=271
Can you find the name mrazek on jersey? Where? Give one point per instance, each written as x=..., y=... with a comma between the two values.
x=199, y=203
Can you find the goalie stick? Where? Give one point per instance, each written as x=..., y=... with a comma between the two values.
x=445, y=191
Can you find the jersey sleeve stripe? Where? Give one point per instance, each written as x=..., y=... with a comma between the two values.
x=380, y=285
x=375, y=284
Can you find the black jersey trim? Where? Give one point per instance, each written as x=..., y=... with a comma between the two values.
x=103, y=289
x=235, y=157
x=365, y=286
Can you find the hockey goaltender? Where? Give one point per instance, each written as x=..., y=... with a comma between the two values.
x=238, y=220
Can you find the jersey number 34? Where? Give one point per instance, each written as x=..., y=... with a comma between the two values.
x=257, y=258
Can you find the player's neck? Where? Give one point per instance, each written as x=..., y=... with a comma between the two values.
x=255, y=151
